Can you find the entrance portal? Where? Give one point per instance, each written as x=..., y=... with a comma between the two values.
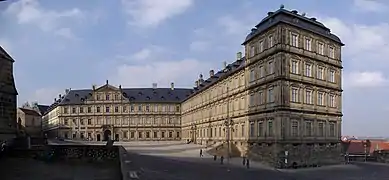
x=107, y=135
x=98, y=138
x=116, y=137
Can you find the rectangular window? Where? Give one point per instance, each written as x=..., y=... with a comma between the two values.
x=271, y=41
x=320, y=72
x=147, y=134
x=260, y=98
x=81, y=109
x=132, y=108
x=147, y=108
x=252, y=130
x=260, y=48
x=271, y=67
x=294, y=131
x=261, y=71
x=125, y=134
x=107, y=97
x=98, y=109
x=332, y=129
x=308, y=128
x=308, y=44
x=331, y=51
x=308, y=96
x=124, y=108
x=116, y=109
x=89, y=121
x=332, y=76
x=107, y=109
x=320, y=98
x=252, y=51
x=270, y=95
x=320, y=48
x=252, y=75
x=295, y=95
x=170, y=134
x=294, y=40
x=294, y=67
x=270, y=128
x=139, y=134
x=252, y=100
x=332, y=100
x=321, y=129
x=308, y=70
x=243, y=131
x=155, y=135
x=178, y=134
x=74, y=110
x=65, y=110
x=139, y=107
x=163, y=134
x=89, y=109
x=132, y=134
x=260, y=129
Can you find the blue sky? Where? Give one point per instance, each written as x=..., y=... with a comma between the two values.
x=74, y=44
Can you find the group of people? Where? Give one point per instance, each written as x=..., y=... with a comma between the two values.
x=245, y=162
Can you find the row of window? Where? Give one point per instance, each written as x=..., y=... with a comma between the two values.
x=309, y=97
x=116, y=109
x=308, y=69
x=321, y=47
x=219, y=132
x=124, y=121
x=309, y=129
x=262, y=45
x=261, y=71
x=146, y=134
x=259, y=98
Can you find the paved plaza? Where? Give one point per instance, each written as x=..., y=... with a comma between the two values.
x=181, y=161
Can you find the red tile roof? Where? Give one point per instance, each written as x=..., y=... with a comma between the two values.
x=357, y=146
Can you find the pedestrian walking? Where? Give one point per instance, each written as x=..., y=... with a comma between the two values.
x=248, y=163
x=214, y=157
x=244, y=160
x=201, y=152
x=221, y=159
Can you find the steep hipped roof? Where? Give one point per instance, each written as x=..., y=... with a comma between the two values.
x=135, y=95
x=42, y=108
x=294, y=19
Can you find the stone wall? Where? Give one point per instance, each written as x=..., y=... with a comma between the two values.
x=300, y=155
x=84, y=152
x=382, y=156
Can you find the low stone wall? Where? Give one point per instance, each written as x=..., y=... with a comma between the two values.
x=382, y=156
x=301, y=155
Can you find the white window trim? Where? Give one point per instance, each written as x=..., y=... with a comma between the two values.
x=308, y=46
x=292, y=35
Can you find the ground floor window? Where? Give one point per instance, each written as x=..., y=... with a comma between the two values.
x=74, y=135
x=147, y=134
x=155, y=134
x=162, y=134
x=178, y=134
x=170, y=134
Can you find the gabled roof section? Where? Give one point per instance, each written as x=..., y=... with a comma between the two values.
x=219, y=76
x=30, y=112
x=5, y=55
x=294, y=19
x=107, y=86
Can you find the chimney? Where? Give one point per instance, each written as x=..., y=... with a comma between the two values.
x=67, y=91
x=106, y=82
x=155, y=85
x=238, y=55
x=55, y=99
x=120, y=86
x=211, y=73
x=224, y=64
x=172, y=86
x=196, y=83
x=93, y=87
x=59, y=96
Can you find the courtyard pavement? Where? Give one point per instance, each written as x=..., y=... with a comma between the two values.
x=178, y=160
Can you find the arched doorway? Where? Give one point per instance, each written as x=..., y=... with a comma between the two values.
x=98, y=138
x=107, y=135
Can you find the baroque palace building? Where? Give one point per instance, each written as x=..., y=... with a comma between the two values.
x=280, y=103
x=123, y=114
x=8, y=97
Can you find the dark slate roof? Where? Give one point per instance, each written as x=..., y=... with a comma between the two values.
x=42, y=108
x=5, y=55
x=137, y=95
x=222, y=74
x=30, y=112
x=289, y=17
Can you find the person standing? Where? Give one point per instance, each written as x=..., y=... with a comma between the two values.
x=201, y=152
x=244, y=160
x=248, y=163
x=221, y=159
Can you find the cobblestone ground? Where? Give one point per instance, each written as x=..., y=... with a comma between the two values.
x=178, y=160
x=30, y=169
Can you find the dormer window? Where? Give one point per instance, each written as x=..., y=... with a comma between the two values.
x=177, y=98
x=77, y=95
x=162, y=97
x=82, y=99
x=107, y=97
x=155, y=92
x=132, y=98
x=148, y=98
